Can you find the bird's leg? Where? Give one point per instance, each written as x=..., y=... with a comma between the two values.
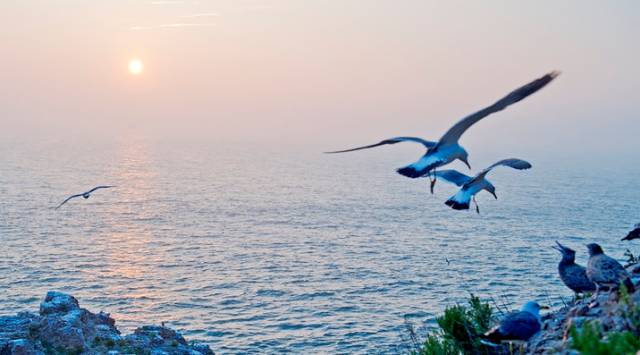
x=433, y=182
x=476, y=203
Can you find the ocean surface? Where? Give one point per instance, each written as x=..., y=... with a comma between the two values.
x=270, y=250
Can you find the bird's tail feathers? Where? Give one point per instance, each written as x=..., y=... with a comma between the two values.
x=459, y=201
x=629, y=285
x=492, y=336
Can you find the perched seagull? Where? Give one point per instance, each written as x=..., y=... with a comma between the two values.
x=634, y=234
x=447, y=149
x=574, y=276
x=472, y=185
x=520, y=325
x=604, y=270
x=86, y=195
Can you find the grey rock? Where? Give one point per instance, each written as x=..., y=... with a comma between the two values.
x=58, y=302
x=64, y=326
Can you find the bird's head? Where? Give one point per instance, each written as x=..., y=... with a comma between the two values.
x=533, y=308
x=464, y=157
x=86, y=196
x=568, y=254
x=492, y=190
x=594, y=249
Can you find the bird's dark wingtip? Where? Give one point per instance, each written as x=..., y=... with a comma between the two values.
x=410, y=172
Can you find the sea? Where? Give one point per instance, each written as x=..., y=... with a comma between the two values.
x=274, y=249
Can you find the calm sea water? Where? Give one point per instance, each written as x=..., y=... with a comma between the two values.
x=273, y=250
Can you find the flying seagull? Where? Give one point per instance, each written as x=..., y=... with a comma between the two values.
x=447, y=149
x=604, y=270
x=634, y=234
x=86, y=195
x=520, y=325
x=470, y=186
x=574, y=276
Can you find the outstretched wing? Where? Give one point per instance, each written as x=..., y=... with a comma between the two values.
x=99, y=187
x=453, y=176
x=68, y=198
x=426, y=143
x=512, y=163
x=454, y=133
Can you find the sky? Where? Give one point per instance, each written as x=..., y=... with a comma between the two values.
x=323, y=74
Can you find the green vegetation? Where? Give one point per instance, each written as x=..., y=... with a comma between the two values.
x=590, y=340
x=458, y=331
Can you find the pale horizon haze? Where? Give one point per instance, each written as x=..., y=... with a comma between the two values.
x=322, y=74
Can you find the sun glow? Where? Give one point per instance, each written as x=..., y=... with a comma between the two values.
x=135, y=66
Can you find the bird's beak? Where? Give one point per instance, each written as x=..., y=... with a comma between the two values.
x=558, y=247
x=494, y=194
x=467, y=163
x=545, y=307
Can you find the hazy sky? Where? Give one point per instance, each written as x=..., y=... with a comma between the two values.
x=325, y=73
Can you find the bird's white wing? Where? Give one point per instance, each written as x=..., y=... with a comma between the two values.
x=512, y=163
x=426, y=143
x=99, y=187
x=453, y=176
x=68, y=198
x=454, y=133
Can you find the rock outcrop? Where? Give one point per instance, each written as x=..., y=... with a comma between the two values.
x=613, y=314
x=62, y=327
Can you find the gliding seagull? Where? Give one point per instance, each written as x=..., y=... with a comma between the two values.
x=472, y=185
x=86, y=195
x=447, y=148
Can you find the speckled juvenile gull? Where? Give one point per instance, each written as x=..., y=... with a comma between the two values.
x=574, y=276
x=86, y=195
x=604, y=270
x=447, y=149
x=634, y=234
x=470, y=186
x=520, y=325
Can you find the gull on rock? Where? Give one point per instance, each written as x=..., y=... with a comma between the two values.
x=606, y=271
x=520, y=325
x=634, y=234
x=574, y=276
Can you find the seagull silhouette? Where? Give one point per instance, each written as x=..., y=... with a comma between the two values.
x=447, y=149
x=86, y=195
x=470, y=186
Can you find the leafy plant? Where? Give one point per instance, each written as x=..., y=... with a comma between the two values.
x=589, y=340
x=460, y=326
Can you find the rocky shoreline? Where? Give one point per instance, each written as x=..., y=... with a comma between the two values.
x=63, y=327
x=612, y=314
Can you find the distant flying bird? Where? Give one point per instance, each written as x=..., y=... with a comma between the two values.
x=447, y=149
x=472, y=185
x=606, y=271
x=86, y=195
x=634, y=234
x=574, y=276
x=520, y=325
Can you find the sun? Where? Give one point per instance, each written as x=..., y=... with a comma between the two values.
x=135, y=66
